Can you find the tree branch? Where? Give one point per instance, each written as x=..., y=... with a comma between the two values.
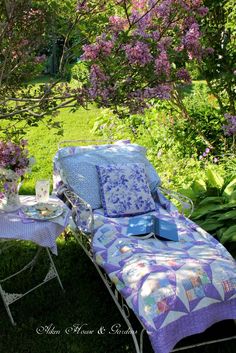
x=30, y=110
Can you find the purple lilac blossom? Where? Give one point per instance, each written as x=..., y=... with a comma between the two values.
x=101, y=47
x=90, y=52
x=14, y=160
x=164, y=9
x=138, y=53
x=82, y=6
x=97, y=75
x=183, y=74
x=160, y=91
x=162, y=64
x=134, y=17
x=139, y=4
x=118, y=23
x=202, y=11
x=230, y=128
x=156, y=35
x=150, y=46
x=143, y=25
x=191, y=41
x=99, y=87
x=164, y=43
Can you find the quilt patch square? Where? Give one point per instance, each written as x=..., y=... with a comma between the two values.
x=149, y=304
x=199, y=292
x=187, y=284
x=204, y=278
x=228, y=285
x=191, y=295
x=105, y=238
x=195, y=285
x=196, y=281
x=164, y=282
x=162, y=306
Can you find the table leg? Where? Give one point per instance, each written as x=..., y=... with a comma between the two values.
x=3, y=295
x=9, y=298
x=53, y=269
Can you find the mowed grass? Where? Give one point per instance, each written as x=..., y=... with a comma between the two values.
x=43, y=142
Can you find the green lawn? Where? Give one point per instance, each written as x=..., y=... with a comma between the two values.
x=43, y=143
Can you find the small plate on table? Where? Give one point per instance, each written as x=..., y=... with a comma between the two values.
x=43, y=211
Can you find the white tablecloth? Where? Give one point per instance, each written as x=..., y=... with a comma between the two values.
x=14, y=225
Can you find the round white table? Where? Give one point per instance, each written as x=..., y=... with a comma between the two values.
x=16, y=226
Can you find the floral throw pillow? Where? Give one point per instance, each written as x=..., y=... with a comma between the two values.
x=124, y=189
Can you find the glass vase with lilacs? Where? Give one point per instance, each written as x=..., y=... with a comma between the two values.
x=14, y=164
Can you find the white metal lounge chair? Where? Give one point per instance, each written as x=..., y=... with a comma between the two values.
x=175, y=289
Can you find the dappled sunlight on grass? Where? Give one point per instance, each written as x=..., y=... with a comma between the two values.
x=43, y=143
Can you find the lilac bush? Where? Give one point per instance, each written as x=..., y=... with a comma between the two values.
x=135, y=50
x=141, y=52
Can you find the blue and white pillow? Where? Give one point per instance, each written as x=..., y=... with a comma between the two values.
x=124, y=189
x=82, y=177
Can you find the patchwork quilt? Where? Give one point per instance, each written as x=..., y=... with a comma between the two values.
x=176, y=289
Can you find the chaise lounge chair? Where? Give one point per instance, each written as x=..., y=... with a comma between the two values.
x=176, y=287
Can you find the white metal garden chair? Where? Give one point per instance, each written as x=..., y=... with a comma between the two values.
x=184, y=286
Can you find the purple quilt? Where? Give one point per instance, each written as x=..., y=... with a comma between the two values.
x=176, y=289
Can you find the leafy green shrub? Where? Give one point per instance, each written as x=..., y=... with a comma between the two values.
x=78, y=72
x=215, y=206
x=229, y=162
x=75, y=73
x=207, y=121
x=194, y=71
x=152, y=131
x=164, y=126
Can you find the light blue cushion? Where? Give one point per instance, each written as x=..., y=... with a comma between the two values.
x=79, y=170
x=71, y=150
x=125, y=190
x=83, y=179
